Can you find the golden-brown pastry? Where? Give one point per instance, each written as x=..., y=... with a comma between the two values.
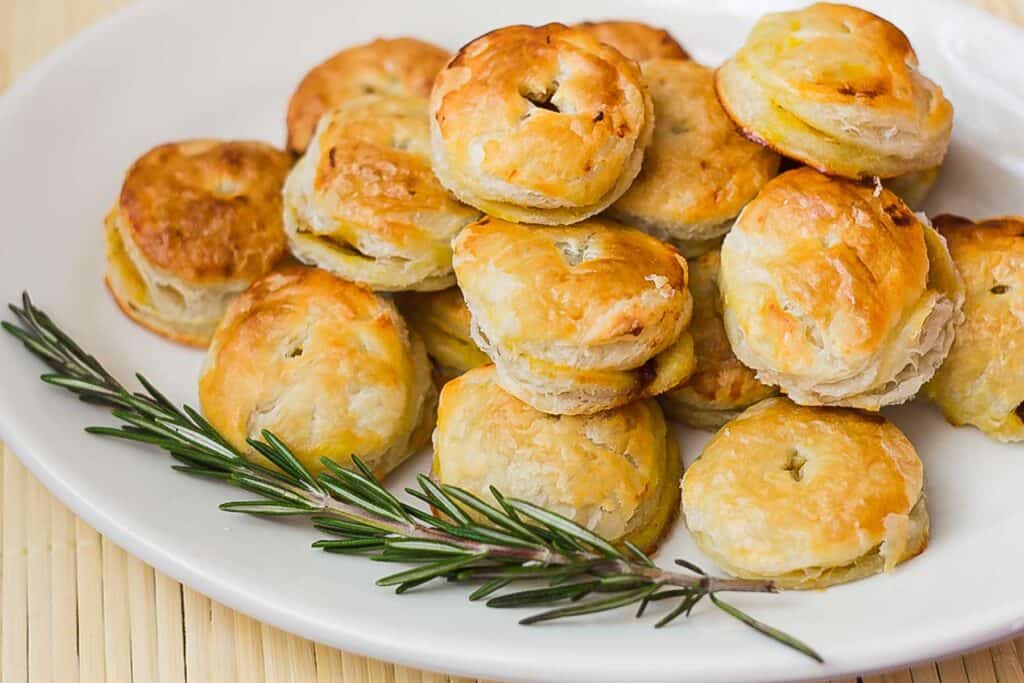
x=324, y=364
x=539, y=124
x=364, y=204
x=616, y=472
x=982, y=381
x=807, y=497
x=635, y=40
x=698, y=172
x=195, y=223
x=834, y=291
x=720, y=387
x=442, y=320
x=577, y=319
x=386, y=66
x=837, y=88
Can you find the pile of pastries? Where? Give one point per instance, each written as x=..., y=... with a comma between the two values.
x=537, y=248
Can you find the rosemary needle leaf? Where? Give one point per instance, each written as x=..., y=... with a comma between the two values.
x=335, y=525
x=428, y=547
x=619, y=582
x=337, y=490
x=669, y=594
x=640, y=555
x=691, y=566
x=430, y=571
x=262, y=507
x=684, y=606
x=488, y=588
x=767, y=630
x=542, y=596
x=201, y=471
x=32, y=344
x=492, y=514
x=130, y=435
x=440, y=500
x=368, y=476
x=192, y=436
x=339, y=476
x=272, y=491
x=591, y=606
x=518, y=572
x=157, y=395
x=409, y=585
x=200, y=422
x=564, y=525
x=354, y=544
x=76, y=384
x=286, y=460
x=476, y=532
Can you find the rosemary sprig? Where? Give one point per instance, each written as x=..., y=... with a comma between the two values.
x=568, y=568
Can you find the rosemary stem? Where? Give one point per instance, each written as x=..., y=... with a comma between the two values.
x=461, y=538
x=599, y=564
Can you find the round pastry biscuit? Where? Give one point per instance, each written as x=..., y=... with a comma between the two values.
x=837, y=88
x=720, y=387
x=363, y=203
x=195, y=222
x=698, y=172
x=324, y=364
x=836, y=292
x=982, y=381
x=577, y=319
x=637, y=41
x=616, y=472
x=543, y=125
x=387, y=66
x=806, y=497
x=442, y=320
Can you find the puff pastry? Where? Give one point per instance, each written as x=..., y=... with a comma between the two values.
x=577, y=319
x=364, y=204
x=720, y=387
x=806, y=497
x=837, y=293
x=195, y=222
x=635, y=40
x=698, y=172
x=387, y=66
x=837, y=88
x=615, y=472
x=544, y=124
x=982, y=381
x=326, y=365
x=442, y=320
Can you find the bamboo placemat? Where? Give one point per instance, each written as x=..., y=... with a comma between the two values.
x=75, y=607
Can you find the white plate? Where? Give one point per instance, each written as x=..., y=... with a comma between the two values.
x=162, y=71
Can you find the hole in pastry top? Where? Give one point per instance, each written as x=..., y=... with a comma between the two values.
x=295, y=352
x=1020, y=411
x=542, y=100
x=577, y=250
x=678, y=127
x=795, y=465
x=1000, y=289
